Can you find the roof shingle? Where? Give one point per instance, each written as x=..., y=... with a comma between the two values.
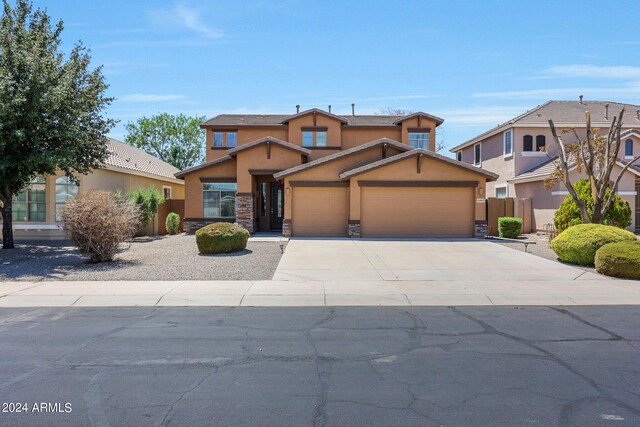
x=129, y=157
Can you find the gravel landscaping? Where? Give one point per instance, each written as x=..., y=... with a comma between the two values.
x=542, y=248
x=148, y=258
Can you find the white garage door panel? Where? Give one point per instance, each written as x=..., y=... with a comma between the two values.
x=417, y=212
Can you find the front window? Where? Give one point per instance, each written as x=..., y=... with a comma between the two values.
x=507, y=143
x=501, y=192
x=541, y=143
x=218, y=139
x=419, y=139
x=628, y=148
x=477, y=154
x=219, y=199
x=527, y=143
x=30, y=205
x=166, y=192
x=231, y=139
x=65, y=191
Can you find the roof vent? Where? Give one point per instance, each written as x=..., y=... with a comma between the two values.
x=329, y=108
x=297, y=108
x=581, y=96
x=637, y=114
x=353, y=109
x=606, y=111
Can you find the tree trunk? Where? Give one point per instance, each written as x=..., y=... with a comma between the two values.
x=7, y=223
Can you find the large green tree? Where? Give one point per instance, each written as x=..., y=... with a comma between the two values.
x=51, y=105
x=175, y=139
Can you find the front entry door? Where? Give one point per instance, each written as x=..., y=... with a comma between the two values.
x=277, y=206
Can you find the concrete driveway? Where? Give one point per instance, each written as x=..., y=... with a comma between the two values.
x=409, y=260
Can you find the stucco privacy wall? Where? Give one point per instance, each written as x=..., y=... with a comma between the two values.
x=101, y=179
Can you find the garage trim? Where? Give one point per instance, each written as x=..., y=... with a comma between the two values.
x=319, y=183
x=365, y=183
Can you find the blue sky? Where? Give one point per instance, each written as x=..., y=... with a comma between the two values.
x=475, y=64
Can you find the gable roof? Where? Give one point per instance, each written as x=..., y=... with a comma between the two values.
x=341, y=154
x=203, y=166
x=267, y=139
x=438, y=120
x=630, y=132
x=544, y=170
x=127, y=157
x=412, y=153
x=564, y=114
x=316, y=111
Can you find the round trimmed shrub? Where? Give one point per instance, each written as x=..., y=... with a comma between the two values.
x=221, y=237
x=578, y=244
x=509, y=227
x=172, y=223
x=620, y=259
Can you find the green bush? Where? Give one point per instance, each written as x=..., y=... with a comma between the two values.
x=578, y=244
x=221, y=237
x=148, y=200
x=172, y=223
x=620, y=259
x=509, y=227
x=568, y=214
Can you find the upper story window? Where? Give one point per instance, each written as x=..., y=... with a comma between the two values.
x=419, y=138
x=65, y=191
x=477, y=154
x=541, y=143
x=507, y=143
x=459, y=156
x=628, y=148
x=224, y=139
x=31, y=204
x=527, y=143
x=314, y=137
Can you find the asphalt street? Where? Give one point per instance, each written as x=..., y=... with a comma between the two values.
x=320, y=366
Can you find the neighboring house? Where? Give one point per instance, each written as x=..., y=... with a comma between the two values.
x=36, y=211
x=523, y=153
x=315, y=173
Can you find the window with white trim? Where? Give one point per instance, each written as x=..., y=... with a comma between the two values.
x=419, y=140
x=628, y=148
x=225, y=139
x=65, y=191
x=166, y=192
x=501, y=192
x=314, y=138
x=477, y=154
x=527, y=143
x=219, y=199
x=541, y=143
x=507, y=143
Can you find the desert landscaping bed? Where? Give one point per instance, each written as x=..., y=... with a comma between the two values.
x=148, y=258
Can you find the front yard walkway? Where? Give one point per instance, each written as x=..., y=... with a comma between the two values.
x=148, y=258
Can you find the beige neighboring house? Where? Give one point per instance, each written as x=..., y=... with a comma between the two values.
x=522, y=152
x=36, y=211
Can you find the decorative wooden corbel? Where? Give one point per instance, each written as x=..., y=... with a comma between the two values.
x=268, y=149
x=314, y=119
x=384, y=150
x=419, y=163
x=419, y=120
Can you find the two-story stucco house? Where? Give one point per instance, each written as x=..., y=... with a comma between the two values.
x=314, y=173
x=522, y=152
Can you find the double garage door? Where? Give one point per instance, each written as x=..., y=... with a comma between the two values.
x=385, y=211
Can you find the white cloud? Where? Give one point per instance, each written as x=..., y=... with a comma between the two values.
x=142, y=97
x=626, y=91
x=594, y=71
x=182, y=16
x=481, y=115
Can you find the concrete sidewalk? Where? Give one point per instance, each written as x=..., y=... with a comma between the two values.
x=319, y=293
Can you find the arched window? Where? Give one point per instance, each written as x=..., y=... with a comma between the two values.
x=541, y=143
x=65, y=191
x=628, y=148
x=30, y=205
x=527, y=143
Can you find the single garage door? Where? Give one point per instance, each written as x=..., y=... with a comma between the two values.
x=417, y=212
x=320, y=211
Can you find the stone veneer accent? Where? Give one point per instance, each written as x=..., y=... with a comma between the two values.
x=354, y=229
x=244, y=211
x=480, y=231
x=191, y=225
x=286, y=228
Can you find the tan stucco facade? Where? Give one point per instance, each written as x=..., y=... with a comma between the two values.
x=317, y=200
